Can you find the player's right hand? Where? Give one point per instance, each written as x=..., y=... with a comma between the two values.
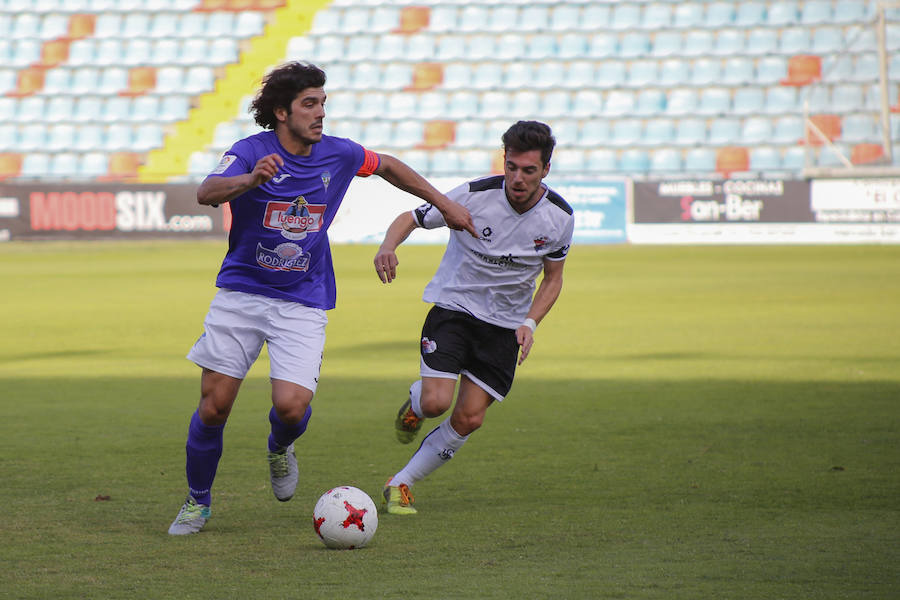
x=266, y=168
x=386, y=265
x=457, y=217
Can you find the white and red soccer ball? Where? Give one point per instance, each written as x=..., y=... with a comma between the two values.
x=345, y=517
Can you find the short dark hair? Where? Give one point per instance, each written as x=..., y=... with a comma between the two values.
x=280, y=86
x=530, y=135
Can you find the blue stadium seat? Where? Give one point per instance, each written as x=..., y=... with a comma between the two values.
x=64, y=164
x=690, y=131
x=714, y=101
x=201, y=164
x=593, y=132
x=756, y=130
x=407, y=134
x=705, y=71
x=487, y=75
x=94, y=164
x=87, y=108
x=81, y=53
x=32, y=137
x=659, y=132
x=724, y=131
x=510, y=46
x=579, y=74
x=771, y=70
x=851, y=11
x=729, y=42
x=750, y=14
x=626, y=132
x=502, y=17
x=470, y=133
x=553, y=104
x=601, y=160
x=619, y=102
x=794, y=158
x=666, y=160
x=625, y=16
x=120, y=136
x=650, y=102
x=847, y=97
x=611, y=74
x=481, y=46
x=765, y=158
x=35, y=165
x=565, y=17
x=56, y=81
x=688, y=15
x=667, y=43
x=88, y=138
x=748, y=100
x=699, y=42
x=533, y=17
x=866, y=68
x=472, y=17
x=780, y=99
x=572, y=45
x=634, y=161
x=674, y=72
x=642, y=72
x=568, y=161
x=788, y=130
x=795, y=40
x=60, y=137
x=761, y=41
x=682, y=101
x=719, y=14
x=700, y=160
x=443, y=18
x=816, y=12
x=857, y=128
x=587, y=103
x=826, y=40
x=603, y=45
x=462, y=104
x=62, y=108
x=780, y=14
x=656, y=16
x=634, y=44
x=738, y=70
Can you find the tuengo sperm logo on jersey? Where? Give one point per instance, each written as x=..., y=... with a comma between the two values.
x=294, y=219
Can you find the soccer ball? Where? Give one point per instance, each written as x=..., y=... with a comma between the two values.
x=345, y=517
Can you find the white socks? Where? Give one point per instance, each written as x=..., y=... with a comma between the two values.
x=415, y=397
x=437, y=448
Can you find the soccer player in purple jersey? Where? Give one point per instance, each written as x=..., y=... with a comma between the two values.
x=284, y=186
x=485, y=306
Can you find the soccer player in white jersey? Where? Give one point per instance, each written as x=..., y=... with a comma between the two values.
x=284, y=186
x=485, y=306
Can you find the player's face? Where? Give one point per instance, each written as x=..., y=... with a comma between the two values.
x=523, y=172
x=305, y=121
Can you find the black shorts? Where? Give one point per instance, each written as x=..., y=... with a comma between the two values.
x=456, y=343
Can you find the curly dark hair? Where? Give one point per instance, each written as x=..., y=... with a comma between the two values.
x=530, y=135
x=280, y=87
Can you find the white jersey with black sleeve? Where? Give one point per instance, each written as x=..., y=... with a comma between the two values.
x=493, y=277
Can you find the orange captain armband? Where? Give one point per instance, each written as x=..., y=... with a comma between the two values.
x=371, y=160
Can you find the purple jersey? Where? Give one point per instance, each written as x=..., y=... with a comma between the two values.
x=278, y=245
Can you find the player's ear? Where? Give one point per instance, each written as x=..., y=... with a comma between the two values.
x=280, y=113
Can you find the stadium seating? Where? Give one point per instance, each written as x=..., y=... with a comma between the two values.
x=663, y=84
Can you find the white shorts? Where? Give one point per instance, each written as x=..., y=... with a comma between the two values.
x=238, y=323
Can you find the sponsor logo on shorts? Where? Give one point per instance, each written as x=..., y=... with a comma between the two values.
x=428, y=346
x=284, y=257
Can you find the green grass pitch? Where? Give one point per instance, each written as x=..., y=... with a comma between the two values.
x=692, y=423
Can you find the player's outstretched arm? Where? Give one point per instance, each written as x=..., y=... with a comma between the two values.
x=402, y=176
x=217, y=190
x=386, y=259
x=546, y=295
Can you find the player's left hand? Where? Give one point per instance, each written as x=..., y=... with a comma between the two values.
x=457, y=217
x=525, y=337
